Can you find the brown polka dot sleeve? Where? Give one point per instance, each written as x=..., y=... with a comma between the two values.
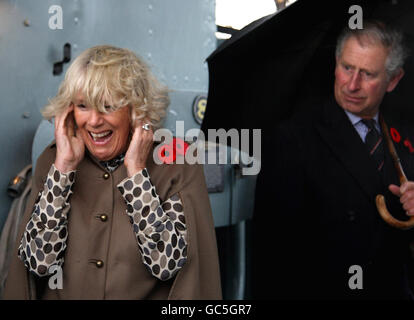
x=159, y=227
x=44, y=241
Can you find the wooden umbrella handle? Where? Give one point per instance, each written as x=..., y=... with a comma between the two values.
x=380, y=200
x=388, y=218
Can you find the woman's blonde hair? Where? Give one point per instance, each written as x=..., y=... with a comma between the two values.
x=107, y=75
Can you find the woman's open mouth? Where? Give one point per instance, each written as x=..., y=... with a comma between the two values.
x=101, y=138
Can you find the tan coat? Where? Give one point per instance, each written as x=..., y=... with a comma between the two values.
x=123, y=275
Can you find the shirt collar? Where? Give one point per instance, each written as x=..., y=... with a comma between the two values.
x=355, y=119
x=114, y=163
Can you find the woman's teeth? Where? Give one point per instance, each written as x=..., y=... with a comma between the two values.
x=97, y=136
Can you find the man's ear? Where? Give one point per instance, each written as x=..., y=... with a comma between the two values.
x=395, y=79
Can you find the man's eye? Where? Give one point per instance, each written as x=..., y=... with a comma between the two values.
x=109, y=108
x=81, y=106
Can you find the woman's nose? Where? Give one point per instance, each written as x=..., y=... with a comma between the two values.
x=95, y=118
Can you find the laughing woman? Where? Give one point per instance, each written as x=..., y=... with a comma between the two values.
x=116, y=224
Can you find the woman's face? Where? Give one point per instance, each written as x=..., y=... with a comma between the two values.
x=104, y=134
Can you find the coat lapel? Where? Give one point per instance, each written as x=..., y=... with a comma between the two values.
x=344, y=141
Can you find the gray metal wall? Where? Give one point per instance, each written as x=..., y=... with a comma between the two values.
x=173, y=36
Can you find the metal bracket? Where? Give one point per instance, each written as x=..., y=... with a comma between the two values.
x=58, y=66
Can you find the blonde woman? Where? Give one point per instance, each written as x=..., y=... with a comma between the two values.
x=116, y=224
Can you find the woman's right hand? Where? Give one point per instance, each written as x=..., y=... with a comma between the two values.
x=70, y=148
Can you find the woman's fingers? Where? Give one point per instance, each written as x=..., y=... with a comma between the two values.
x=70, y=124
x=141, y=135
x=70, y=148
x=139, y=148
x=61, y=121
x=141, y=141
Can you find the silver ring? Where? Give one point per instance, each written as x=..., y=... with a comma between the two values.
x=146, y=126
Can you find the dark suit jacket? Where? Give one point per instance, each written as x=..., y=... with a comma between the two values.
x=316, y=217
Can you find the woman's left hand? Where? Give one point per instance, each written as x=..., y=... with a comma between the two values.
x=139, y=148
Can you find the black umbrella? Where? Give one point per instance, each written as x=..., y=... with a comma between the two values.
x=285, y=61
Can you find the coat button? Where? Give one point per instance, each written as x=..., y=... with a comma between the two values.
x=99, y=263
x=106, y=175
x=103, y=217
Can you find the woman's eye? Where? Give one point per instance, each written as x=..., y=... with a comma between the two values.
x=81, y=106
x=109, y=108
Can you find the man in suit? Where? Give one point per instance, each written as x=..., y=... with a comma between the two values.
x=317, y=232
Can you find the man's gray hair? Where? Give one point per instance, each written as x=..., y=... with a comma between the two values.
x=373, y=33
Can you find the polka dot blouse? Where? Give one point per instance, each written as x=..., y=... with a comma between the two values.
x=159, y=228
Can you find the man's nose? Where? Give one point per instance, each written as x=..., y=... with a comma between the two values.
x=95, y=118
x=354, y=83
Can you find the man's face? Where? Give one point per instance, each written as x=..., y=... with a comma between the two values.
x=361, y=79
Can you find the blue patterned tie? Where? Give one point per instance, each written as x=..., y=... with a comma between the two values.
x=373, y=141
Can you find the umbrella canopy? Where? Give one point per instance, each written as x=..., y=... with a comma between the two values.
x=285, y=62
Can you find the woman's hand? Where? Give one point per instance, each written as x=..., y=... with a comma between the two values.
x=70, y=148
x=138, y=150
